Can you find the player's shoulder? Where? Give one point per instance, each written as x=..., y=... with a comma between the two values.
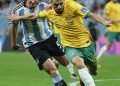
x=17, y=7
x=43, y=3
x=109, y=4
x=50, y=12
x=68, y=1
x=68, y=4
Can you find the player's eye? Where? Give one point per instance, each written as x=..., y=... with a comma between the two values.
x=61, y=3
x=56, y=5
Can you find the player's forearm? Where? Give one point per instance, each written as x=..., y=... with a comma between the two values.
x=13, y=35
x=15, y=18
x=28, y=16
x=98, y=19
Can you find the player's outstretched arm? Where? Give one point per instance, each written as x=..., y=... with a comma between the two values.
x=100, y=20
x=14, y=18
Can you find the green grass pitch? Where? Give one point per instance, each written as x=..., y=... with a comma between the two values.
x=19, y=69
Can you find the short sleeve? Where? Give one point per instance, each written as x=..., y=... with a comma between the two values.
x=107, y=10
x=79, y=9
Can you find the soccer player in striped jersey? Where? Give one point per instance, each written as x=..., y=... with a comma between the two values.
x=39, y=40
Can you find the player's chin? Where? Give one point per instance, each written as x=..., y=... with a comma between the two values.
x=59, y=11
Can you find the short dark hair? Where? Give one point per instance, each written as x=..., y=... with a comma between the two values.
x=25, y=2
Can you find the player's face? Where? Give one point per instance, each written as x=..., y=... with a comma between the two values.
x=32, y=3
x=58, y=6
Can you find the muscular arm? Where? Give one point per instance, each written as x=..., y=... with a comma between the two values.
x=14, y=18
x=28, y=16
x=99, y=19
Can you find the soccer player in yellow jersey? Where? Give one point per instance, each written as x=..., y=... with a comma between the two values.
x=112, y=12
x=68, y=16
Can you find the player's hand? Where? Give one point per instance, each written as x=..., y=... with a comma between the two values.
x=108, y=23
x=13, y=18
x=16, y=47
x=49, y=6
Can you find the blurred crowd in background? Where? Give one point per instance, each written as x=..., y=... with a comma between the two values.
x=96, y=6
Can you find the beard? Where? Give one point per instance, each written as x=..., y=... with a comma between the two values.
x=59, y=11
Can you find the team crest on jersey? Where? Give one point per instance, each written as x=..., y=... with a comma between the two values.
x=84, y=10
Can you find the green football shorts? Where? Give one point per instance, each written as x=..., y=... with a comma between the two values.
x=111, y=36
x=87, y=53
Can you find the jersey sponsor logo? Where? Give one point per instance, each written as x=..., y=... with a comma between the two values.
x=84, y=10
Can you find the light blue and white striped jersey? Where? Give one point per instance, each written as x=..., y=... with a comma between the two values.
x=34, y=31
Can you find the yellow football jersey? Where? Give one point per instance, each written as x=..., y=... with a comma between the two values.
x=70, y=24
x=112, y=10
x=55, y=29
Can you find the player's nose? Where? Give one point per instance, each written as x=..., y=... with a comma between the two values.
x=34, y=1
